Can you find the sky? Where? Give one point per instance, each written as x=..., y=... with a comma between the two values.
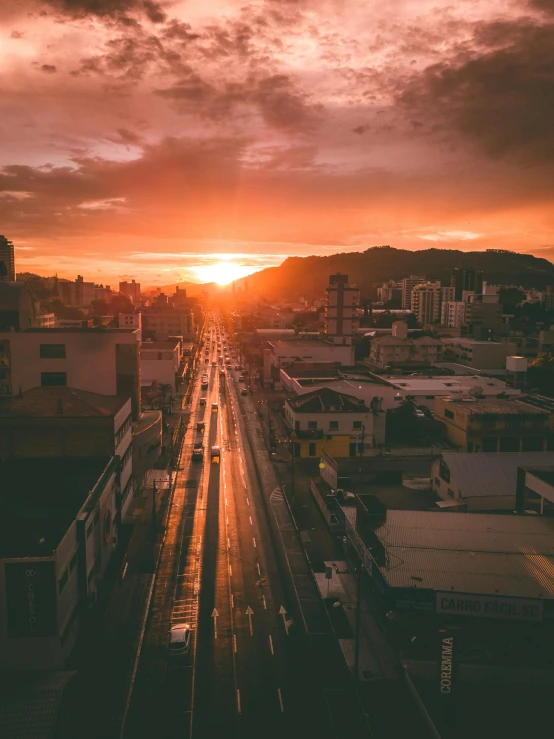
x=143, y=138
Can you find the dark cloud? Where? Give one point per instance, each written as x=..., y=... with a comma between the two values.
x=362, y=129
x=275, y=97
x=501, y=97
x=120, y=11
x=547, y=6
x=48, y=68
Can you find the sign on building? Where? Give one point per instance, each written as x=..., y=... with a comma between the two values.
x=489, y=606
x=31, y=599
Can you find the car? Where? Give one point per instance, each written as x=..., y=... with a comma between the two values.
x=242, y=379
x=202, y=401
x=244, y=391
x=237, y=366
x=419, y=414
x=179, y=640
x=214, y=406
x=213, y=364
x=207, y=360
x=200, y=426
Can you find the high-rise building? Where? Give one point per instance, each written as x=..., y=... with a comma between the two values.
x=131, y=290
x=79, y=294
x=466, y=279
x=341, y=318
x=453, y=313
x=426, y=302
x=7, y=259
x=407, y=287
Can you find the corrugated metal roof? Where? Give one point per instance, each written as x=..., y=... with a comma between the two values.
x=473, y=553
x=484, y=474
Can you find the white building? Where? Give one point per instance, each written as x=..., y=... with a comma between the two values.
x=426, y=302
x=285, y=352
x=483, y=482
x=478, y=354
x=159, y=362
x=453, y=313
x=131, y=320
x=104, y=361
x=408, y=284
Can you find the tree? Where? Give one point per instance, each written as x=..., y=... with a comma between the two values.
x=120, y=304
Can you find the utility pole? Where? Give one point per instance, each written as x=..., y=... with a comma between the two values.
x=358, y=618
x=293, y=470
x=154, y=491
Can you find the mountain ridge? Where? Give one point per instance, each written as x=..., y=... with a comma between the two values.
x=308, y=276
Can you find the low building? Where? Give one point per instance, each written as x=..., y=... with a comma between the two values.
x=339, y=424
x=483, y=482
x=535, y=490
x=483, y=580
x=546, y=340
x=160, y=362
x=400, y=351
x=478, y=354
x=285, y=352
x=423, y=389
x=496, y=425
x=58, y=531
x=65, y=423
x=98, y=360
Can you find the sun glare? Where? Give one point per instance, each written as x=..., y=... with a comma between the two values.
x=223, y=272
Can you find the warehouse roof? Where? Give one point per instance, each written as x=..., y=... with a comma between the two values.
x=488, y=474
x=496, y=406
x=508, y=555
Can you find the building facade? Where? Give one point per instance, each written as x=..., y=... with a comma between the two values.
x=342, y=300
x=408, y=284
x=496, y=425
x=7, y=260
x=339, y=424
x=78, y=294
x=131, y=290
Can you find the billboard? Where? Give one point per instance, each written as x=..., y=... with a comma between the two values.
x=489, y=606
x=31, y=599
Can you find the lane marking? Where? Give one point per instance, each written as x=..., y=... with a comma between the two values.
x=235, y=642
x=254, y=540
x=228, y=543
x=232, y=601
x=238, y=701
x=280, y=700
x=263, y=600
x=258, y=568
x=230, y=571
x=247, y=502
x=250, y=517
x=271, y=644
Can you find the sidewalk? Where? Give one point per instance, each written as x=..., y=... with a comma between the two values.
x=377, y=660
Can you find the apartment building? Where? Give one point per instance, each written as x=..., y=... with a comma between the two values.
x=495, y=425
x=341, y=305
x=7, y=259
x=78, y=294
x=340, y=424
x=408, y=284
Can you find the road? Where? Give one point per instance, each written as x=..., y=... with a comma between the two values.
x=226, y=569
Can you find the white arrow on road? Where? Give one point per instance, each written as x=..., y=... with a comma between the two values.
x=215, y=614
x=283, y=613
x=249, y=613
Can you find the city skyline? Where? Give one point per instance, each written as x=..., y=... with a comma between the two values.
x=142, y=137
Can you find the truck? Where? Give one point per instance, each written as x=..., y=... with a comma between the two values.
x=216, y=454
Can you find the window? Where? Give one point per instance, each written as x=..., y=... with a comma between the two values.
x=73, y=563
x=127, y=456
x=357, y=425
x=52, y=351
x=90, y=529
x=312, y=424
x=311, y=449
x=48, y=379
x=448, y=414
x=333, y=425
x=451, y=493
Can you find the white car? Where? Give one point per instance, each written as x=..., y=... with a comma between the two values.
x=214, y=406
x=179, y=640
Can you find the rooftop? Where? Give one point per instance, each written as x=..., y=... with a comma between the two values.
x=488, y=474
x=489, y=406
x=507, y=555
x=170, y=344
x=39, y=500
x=325, y=399
x=447, y=383
x=80, y=330
x=305, y=343
x=61, y=402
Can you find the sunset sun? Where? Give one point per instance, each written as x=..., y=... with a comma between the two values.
x=223, y=271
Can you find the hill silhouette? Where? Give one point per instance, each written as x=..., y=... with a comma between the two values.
x=308, y=276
